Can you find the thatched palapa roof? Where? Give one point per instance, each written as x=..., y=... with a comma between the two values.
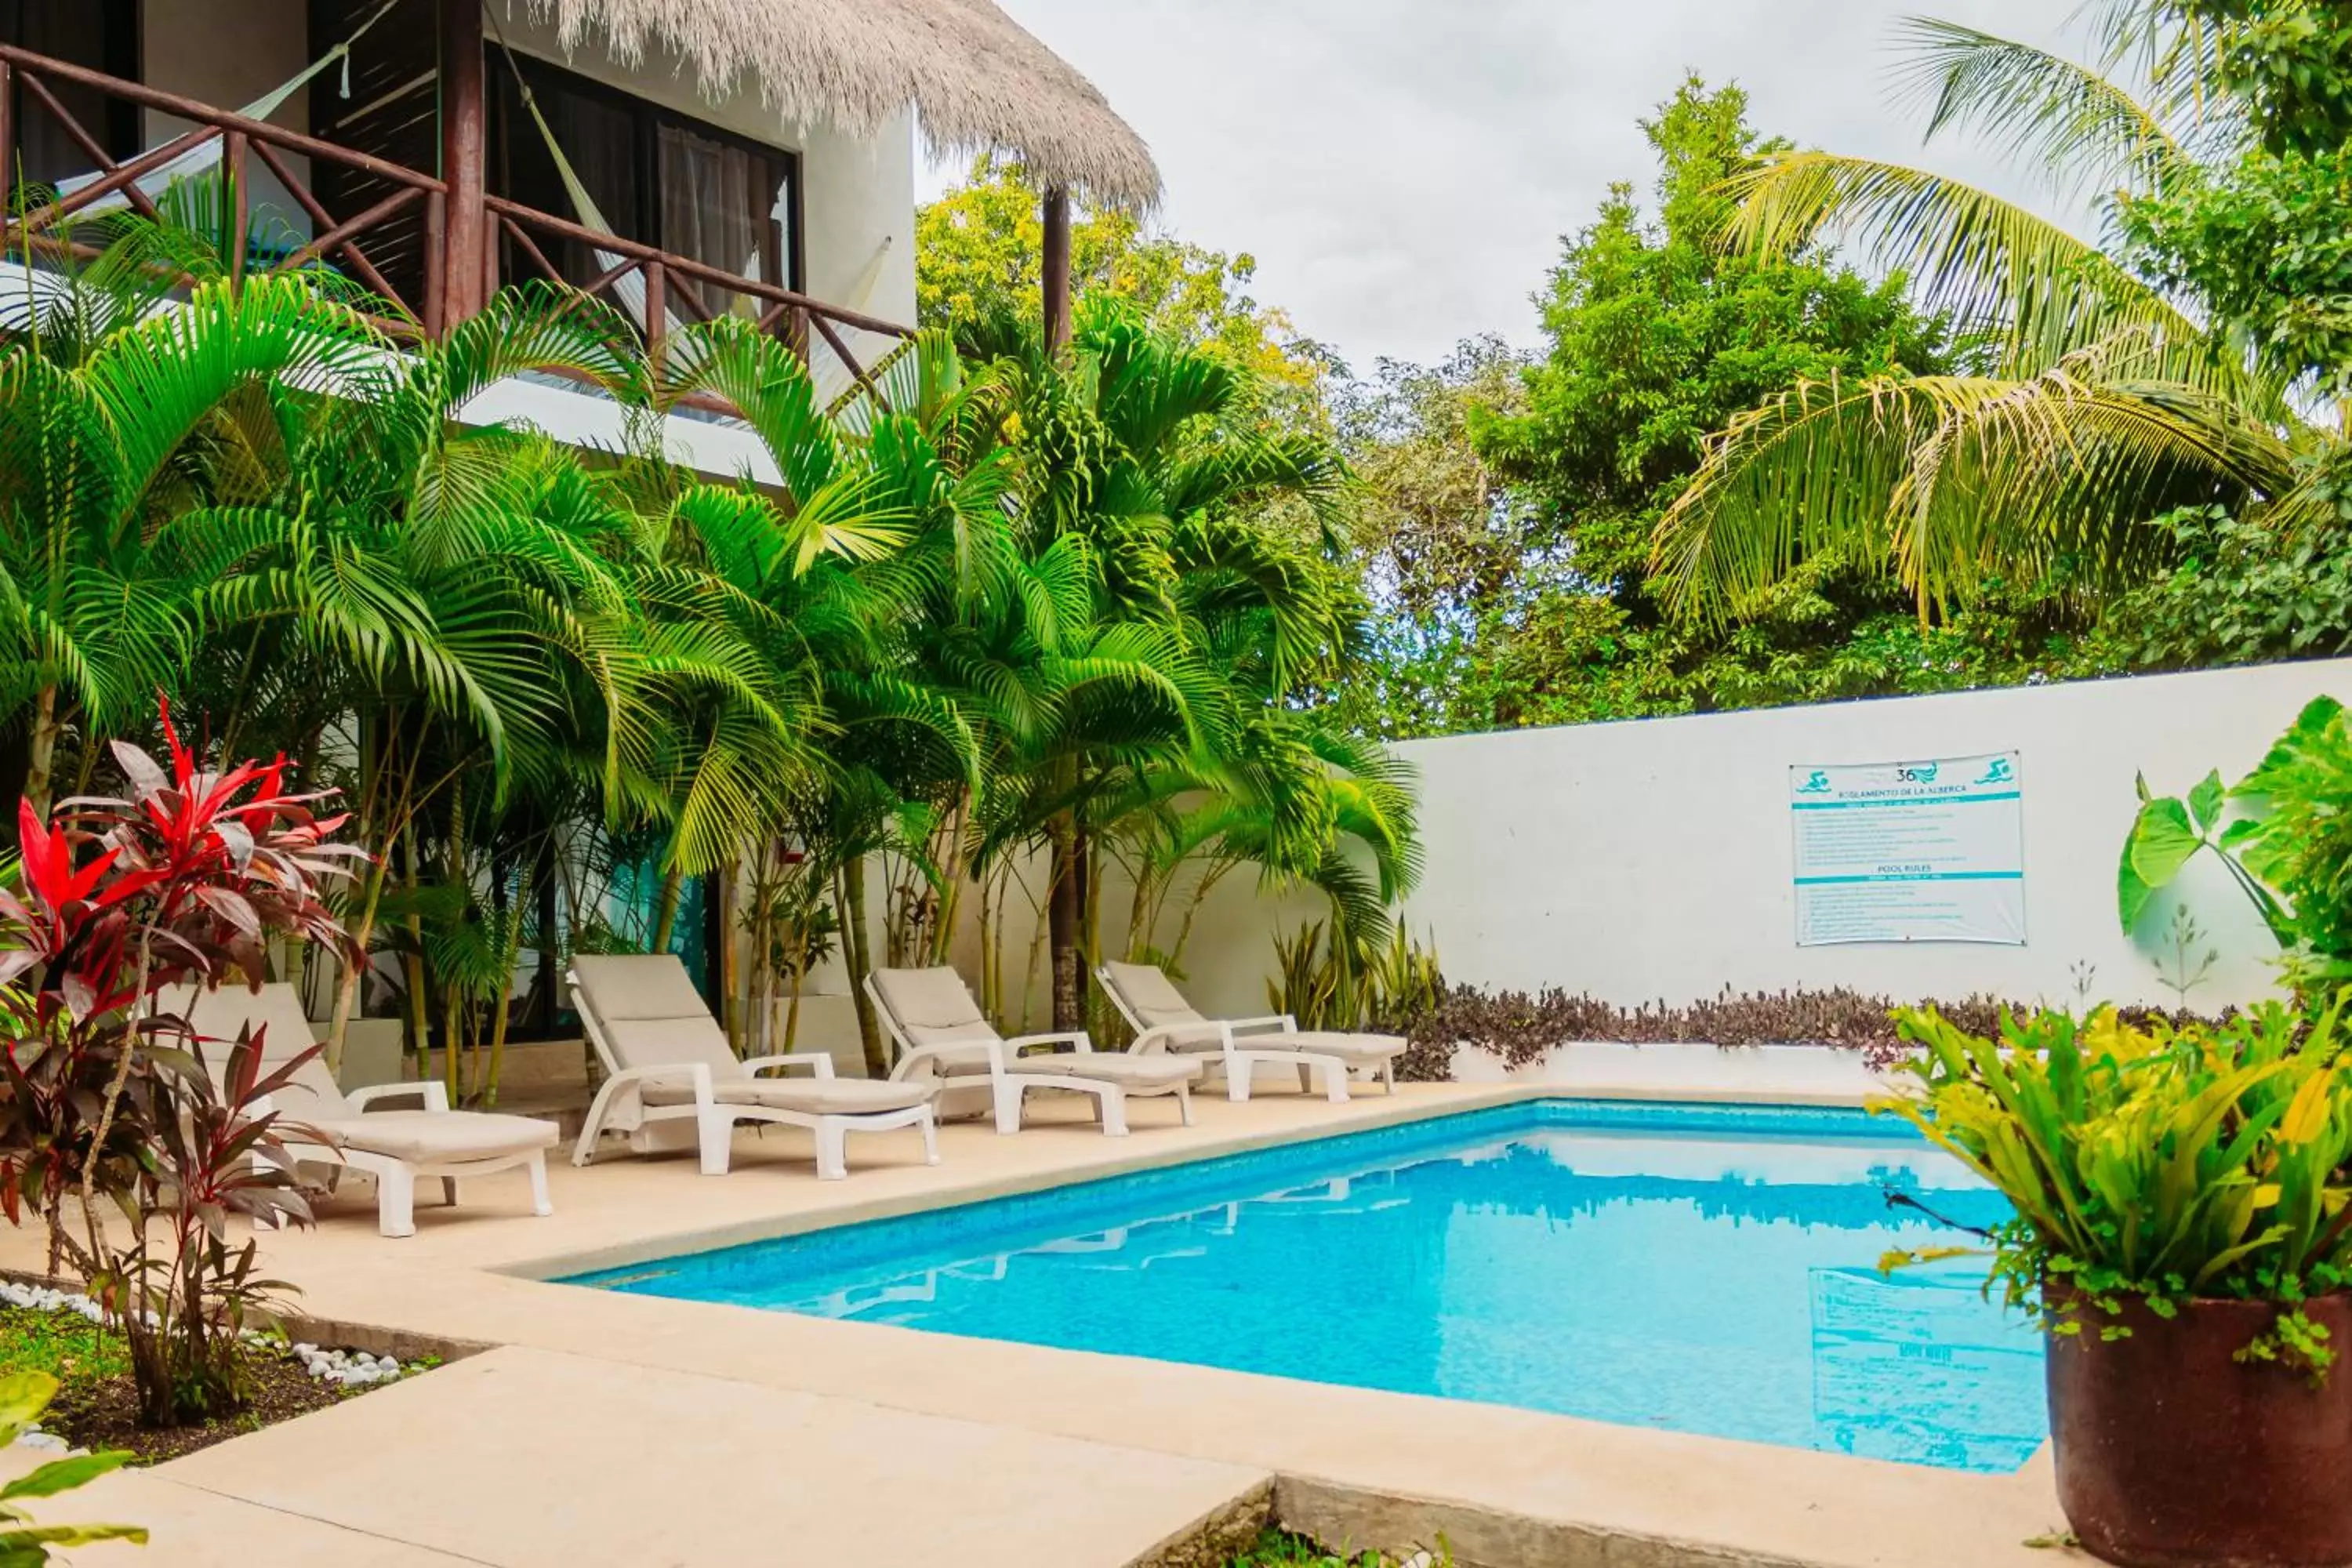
x=979, y=81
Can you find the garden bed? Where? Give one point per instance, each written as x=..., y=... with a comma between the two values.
x=1521, y=1029
x=97, y=1405
x=1280, y=1549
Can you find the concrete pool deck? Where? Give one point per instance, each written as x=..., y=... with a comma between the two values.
x=626, y=1428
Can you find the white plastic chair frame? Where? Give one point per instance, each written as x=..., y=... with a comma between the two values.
x=396, y=1179
x=714, y=1118
x=1007, y=1087
x=1235, y=1058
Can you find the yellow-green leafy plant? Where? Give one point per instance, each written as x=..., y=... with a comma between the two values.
x=23, y=1396
x=2158, y=1164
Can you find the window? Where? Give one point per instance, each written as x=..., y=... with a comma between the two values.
x=655, y=176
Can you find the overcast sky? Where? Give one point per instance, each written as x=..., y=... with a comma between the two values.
x=1404, y=170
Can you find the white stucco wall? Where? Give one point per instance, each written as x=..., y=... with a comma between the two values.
x=227, y=53
x=1652, y=860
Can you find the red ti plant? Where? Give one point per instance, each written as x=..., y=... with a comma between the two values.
x=182, y=881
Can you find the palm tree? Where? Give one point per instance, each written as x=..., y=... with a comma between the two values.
x=2094, y=400
x=881, y=520
x=1149, y=480
x=455, y=604
x=1060, y=606
x=127, y=443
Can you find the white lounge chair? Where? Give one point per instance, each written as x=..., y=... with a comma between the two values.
x=931, y=1015
x=671, y=1076
x=1164, y=1021
x=393, y=1146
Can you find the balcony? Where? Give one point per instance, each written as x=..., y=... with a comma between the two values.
x=431, y=250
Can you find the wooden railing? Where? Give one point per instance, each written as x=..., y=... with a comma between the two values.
x=243, y=143
x=673, y=286
x=670, y=292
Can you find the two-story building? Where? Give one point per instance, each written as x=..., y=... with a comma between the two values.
x=678, y=158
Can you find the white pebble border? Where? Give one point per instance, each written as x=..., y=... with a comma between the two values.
x=352, y=1369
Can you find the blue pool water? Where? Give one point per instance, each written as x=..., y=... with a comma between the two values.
x=1705, y=1268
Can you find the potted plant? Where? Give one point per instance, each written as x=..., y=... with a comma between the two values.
x=2183, y=1232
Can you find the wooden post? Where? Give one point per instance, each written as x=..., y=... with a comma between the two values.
x=465, y=161
x=436, y=240
x=1057, y=269
x=8, y=150
x=233, y=192
x=656, y=276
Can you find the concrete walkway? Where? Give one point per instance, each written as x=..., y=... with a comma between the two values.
x=614, y=1428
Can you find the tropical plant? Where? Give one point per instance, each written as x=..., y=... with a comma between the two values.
x=183, y=883
x=978, y=267
x=1338, y=984
x=2261, y=236
x=2097, y=400
x=112, y=537
x=1656, y=338
x=23, y=1396
x=2242, y=590
x=1070, y=607
x=1163, y=613
x=2290, y=851
x=2151, y=1164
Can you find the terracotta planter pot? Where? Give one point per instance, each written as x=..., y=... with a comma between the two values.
x=2171, y=1454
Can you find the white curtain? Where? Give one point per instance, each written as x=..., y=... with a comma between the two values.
x=716, y=202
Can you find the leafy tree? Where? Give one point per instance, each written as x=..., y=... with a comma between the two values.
x=2243, y=591
x=977, y=274
x=2092, y=400
x=1068, y=605
x=2288, y=61
x=2265, y=239
x=1510, y=516
x=1166, y=617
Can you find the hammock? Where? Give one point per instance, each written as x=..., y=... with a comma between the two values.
x=630, y=288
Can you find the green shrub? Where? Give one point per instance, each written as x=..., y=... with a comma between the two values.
x=2158, y=1164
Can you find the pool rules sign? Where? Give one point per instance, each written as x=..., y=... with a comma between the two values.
x=1929, y=851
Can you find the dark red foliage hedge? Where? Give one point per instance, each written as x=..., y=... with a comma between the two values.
x=1520, y=1028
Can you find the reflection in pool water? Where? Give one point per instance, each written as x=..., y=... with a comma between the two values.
x=1702, y=1269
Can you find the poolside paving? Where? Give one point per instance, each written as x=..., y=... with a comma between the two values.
x=624, y=1428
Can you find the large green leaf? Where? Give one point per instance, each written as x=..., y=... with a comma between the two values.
x=27, y=1548
x=2163, y=838
x=23, y=1396
x=2206, y=801
x=64, y=1474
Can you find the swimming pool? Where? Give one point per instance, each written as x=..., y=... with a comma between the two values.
x=1704, y=1269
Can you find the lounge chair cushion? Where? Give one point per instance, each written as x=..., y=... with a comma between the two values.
x=673, y=1042
x=1142, y=1075
x=934, y=1007
x=1205, y=1038
x=1355, y=1049
x=277, y=1012
x=639, y=985
x=809, y=1096
x=438, y=1137
x=1150, y=996
x=652, y=1015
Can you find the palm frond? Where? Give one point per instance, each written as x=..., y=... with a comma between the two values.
x=1948, y=479
x=1994, y=267
x=2046, y=114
